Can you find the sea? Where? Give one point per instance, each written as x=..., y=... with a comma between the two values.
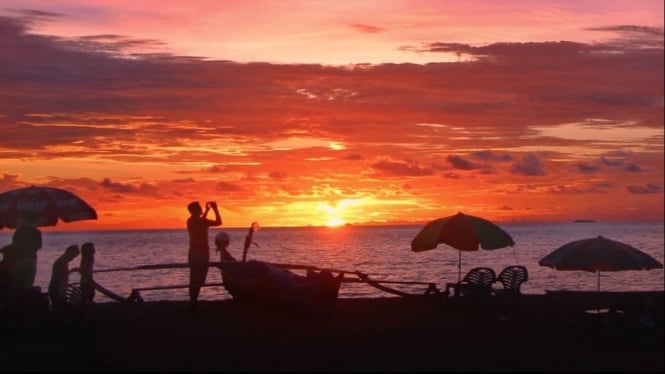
x=382, y=252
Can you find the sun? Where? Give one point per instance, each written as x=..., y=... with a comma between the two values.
x=335, y=222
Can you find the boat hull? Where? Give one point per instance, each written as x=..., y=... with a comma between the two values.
x=260, y=282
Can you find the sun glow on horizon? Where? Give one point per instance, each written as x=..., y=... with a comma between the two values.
x=338, y=209
x=335, y=222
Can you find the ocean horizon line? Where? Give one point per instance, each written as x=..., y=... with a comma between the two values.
x=60, y=227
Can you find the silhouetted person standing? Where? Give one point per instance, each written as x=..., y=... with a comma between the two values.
x=57, y=287
x=27, y=240
x=85, y=269
x=199, y=249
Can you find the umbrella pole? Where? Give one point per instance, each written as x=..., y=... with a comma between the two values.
x=459, y=267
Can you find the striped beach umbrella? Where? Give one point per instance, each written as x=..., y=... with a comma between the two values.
x=47, y=204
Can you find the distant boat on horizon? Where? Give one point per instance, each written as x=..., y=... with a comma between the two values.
x=583, y=220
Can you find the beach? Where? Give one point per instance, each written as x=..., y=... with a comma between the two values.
x=430, y=333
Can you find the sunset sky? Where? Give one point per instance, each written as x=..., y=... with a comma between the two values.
x=294, y=113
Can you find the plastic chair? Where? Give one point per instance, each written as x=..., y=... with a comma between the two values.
x=511, y=279
x=476, y=283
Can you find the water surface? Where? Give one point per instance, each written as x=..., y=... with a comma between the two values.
x=383, y=252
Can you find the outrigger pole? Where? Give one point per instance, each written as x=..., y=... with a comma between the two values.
x=146, y=267
x=364, y=278
x=361, y=278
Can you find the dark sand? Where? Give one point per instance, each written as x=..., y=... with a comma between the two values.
x=541, y=333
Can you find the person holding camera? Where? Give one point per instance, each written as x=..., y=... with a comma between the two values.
x=199, y=250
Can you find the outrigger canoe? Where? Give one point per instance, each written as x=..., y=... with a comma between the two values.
x=274, y=285
x=264, y=283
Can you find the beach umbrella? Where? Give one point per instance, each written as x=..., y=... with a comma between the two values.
x=599, y=254
x=49, y=204
x=463, y=232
